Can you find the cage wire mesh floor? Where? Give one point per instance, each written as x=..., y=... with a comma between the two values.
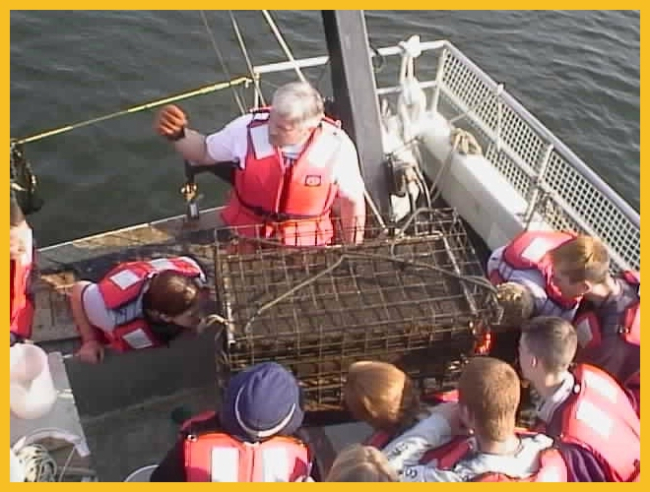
x=405, y=299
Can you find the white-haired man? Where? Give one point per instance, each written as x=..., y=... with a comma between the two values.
x=292, y=164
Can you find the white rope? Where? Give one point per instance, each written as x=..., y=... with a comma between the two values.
x=38, y=465
x=284, y=46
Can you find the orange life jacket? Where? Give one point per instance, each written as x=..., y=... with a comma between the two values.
x=552, y=467
x=599, y=417
x=215, y=456
x=125, y=285
x=529, y=251
x=21, y=297
x=291, y=203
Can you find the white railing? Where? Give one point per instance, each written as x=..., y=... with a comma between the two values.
x=556, y=182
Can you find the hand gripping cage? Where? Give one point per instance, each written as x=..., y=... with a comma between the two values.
x=416, y=300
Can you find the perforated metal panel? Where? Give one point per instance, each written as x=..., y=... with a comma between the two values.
x=516, y=144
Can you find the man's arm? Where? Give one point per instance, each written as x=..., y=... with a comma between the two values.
x=193, y=148
x=92, y=350
x=353, y=220
x=351, y=194
x=86, y=330
x=199, y=150
x=434, y=431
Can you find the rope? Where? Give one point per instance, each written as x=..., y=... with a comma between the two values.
x=249, y=64
x=466, y=144
x=284, y=46
x=135, y=109
x=38, y=465
x=238, y=100
x=66, y=464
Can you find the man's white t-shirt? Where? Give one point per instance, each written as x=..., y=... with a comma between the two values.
x=231, y=144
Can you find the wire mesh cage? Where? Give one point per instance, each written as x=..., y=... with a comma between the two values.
x=413, y=299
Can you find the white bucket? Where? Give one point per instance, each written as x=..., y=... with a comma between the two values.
x=141, y=474
x=32, y=392
x=16, y=468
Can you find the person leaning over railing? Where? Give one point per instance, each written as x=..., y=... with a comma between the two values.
x=542, y=273
x=290, y=165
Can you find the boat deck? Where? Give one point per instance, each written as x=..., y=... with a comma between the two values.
x=128, y=425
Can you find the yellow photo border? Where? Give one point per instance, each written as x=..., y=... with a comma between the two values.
x=117, y=5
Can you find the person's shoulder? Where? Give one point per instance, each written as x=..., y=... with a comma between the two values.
x=582, y=464
x=238, y=124
x=347, y=146
x=344, y=137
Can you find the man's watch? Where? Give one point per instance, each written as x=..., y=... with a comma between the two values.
x=177, y=136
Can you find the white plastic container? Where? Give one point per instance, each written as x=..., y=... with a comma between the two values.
x=32, y=392
x=16, y=468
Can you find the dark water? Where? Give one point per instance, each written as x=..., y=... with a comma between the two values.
x=577, y=71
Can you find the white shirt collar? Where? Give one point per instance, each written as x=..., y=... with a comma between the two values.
x=547, y=406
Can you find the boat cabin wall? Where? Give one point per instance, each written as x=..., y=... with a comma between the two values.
x=134, y=378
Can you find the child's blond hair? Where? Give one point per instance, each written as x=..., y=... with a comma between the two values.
x=359, y=463
x=583, y=259
x=381, y=395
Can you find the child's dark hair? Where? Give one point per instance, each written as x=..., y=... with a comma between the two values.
x=170, y=293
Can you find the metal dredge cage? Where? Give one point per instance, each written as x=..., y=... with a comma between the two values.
x=413, y=300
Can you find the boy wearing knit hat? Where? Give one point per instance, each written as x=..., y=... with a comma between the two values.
x=250, y=440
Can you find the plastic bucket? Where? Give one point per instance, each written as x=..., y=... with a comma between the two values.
x=16, y=468
x=32, y=392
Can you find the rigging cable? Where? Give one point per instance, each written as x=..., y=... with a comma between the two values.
x=255, y=77
x=135, y=109
x=296, y=67
x=238, y=99
x=283, y=45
